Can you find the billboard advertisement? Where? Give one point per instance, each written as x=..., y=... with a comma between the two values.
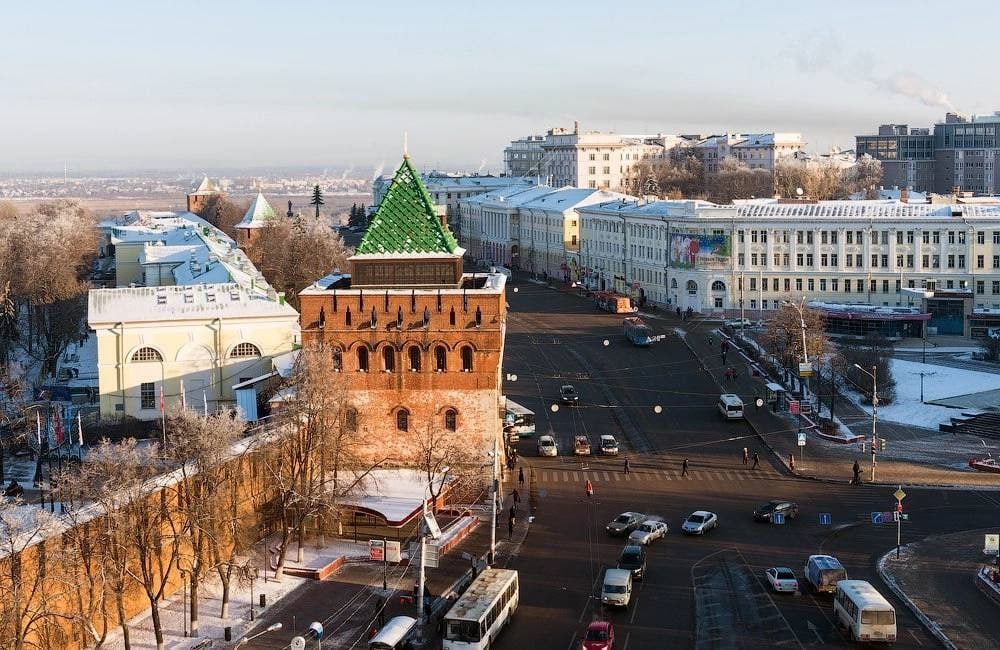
x=692, y=250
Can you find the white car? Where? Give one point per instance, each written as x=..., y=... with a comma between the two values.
x=609, y=446
x=782, y=579
x=648, y=532
x=700, y=522
x=547, y=446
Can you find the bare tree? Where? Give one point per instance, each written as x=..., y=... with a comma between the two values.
x=223, y=213
x=735, y=180
x=438, y=448
x=865, y=176
x=819, y=182
x=678, y=176
x=201, y=447
x=783, y=336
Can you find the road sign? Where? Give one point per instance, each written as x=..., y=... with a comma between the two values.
x=825, y=518
x=992, y=545
x=802, y=440
x=805, y=370
x=876, y=517
x=376, y=550
x=793, y=407
x=888, y=517
x=778, y=518
x=899, y=494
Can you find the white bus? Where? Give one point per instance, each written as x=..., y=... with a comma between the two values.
x=477, y=617
x=519, y=420
x=865, y=613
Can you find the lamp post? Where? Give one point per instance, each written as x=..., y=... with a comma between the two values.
x=493, y=502
x=872, y=374
x=247, y=639
x=423, y=547
x=805, y=352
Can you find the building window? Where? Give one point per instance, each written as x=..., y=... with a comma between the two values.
x=833, y=236
x=440, y=359
x=337, y=356
x=951, y=236
x=798, y=284
x=936, y=261
x=451, y=419
x=389, y=359
x=147, y=395
x=822, y=284
x=809, y=259
x=909, y=236
x=961, y=237
x=937, y=236
x=850, y=236
x=718, y=285
x=741, y=260
x=926, y=235
x=909, y=261
x=351, y=419
x=402, y=420
x=414, y=354
x=858, y=285
x=951, y=261
x=961, y=261
x=466, y=358
x=147, y=354
x=899, y=237
x=996, y=287
x=980, y=261
x=980, y=287
x=244, y=351
x=812, y=284
x=362, y=359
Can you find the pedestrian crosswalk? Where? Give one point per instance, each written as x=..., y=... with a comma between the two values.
x=595, y=475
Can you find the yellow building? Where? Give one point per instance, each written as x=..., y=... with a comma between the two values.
x=191, y=317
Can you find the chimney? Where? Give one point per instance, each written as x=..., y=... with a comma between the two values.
x=576, y=127
x=904, y=195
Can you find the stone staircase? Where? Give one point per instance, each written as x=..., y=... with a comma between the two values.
x=975, y=423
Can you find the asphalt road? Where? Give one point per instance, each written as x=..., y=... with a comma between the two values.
x=705, y=592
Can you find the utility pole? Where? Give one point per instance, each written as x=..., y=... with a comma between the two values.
x=493, y=503
x=874, y=375
x=423, y=554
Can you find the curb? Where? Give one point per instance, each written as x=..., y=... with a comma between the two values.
x=925, y=620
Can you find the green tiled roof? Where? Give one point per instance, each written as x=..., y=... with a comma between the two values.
x=405, y=221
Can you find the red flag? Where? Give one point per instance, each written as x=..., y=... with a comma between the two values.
x=59, y=429
x=162, y=405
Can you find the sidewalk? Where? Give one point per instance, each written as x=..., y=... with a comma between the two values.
x=935, y=574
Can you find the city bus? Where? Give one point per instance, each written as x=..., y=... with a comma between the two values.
x=865, y=613
x=519, y=420
x=638, y=332
x=477, y=617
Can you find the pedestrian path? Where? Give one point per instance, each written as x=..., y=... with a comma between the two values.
x=579, y=476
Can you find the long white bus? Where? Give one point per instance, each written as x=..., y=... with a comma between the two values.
x=477, y=617
x=519, y=420
x=865, y=613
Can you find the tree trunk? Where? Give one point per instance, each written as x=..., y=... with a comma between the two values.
x=123, y=620
x=194, y=603
x=224, y=576
x=157, y=623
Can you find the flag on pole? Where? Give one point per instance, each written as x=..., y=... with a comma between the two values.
x=38, y=420
x=59, y=429
x=163, y=406
x=79, y=427
x=204, y=396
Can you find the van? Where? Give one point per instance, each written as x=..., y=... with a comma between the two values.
x=609, y=446
x=393, y=634
x=730, y=406
x=616, y=589
x=864, y=612
x=823, y=572
x=547, y=446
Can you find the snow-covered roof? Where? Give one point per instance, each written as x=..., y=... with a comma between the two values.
x=510, y=197
x=395, y=494
x=149, y=304
x=566, y=198
x=206, y=187
x=492, y=283
x=259, y=214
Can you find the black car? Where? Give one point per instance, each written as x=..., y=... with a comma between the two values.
x=568, y=394
x=625, y=523
x=766, y=512
x=633, y=558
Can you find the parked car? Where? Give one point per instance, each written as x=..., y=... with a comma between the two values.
x=625, y=523
x=700, y=522
x=568, y=394
x=547, y=446
x=600, y=635
x=581, y=446
x=609, y=446
x=633, y=558
x=767, y=511
x=782, y=579
x=648, y=532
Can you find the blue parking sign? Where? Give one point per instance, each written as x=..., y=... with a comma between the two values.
x=825, y=518
x=778, y=518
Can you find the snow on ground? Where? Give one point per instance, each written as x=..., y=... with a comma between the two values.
x=944, y=382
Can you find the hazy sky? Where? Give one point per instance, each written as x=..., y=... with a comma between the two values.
x=198, y=85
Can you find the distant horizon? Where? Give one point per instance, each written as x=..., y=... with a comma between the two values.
x=245, y=86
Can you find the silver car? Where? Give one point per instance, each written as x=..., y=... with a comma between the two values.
x=700, y=522
x=648, y=531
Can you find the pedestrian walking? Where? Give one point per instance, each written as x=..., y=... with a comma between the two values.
x=520, y=476
x=513, y=511
x=756, y=460
x=516, y=496
x=711, y=341
x=746, y=456
x=627, y=468
x=791, y=462
x=684, y=467
x=723, y=357
x=678, y=312
x=725, y=346
x=589, y=487
x=510, y=527
x=857, y=473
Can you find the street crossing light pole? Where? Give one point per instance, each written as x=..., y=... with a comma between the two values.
x=873, y=375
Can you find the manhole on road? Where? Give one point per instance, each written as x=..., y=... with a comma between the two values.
x=732, y=608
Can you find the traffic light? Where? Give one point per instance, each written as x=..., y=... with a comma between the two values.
x=899, y=507
x=881, y=445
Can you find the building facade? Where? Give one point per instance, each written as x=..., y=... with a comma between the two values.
x=907, y=155
x=190, y=317
x=417, y=343
x=523, y=157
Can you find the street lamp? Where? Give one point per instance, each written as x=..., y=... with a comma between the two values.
x=805, y=352
x=247, y=639
x=423, y=537
x=872, y=374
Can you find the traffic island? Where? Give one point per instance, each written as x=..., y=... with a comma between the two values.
x=935, y=578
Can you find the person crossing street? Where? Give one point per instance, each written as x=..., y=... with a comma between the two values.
x=684, y=467
x=520, y=477
x=628, y=470
x=746, y=456
x=589, y=487
x=756, y=460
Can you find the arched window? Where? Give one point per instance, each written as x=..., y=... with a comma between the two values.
x=451, y=419
x=718, y=285
x=673, y=283
x=414, y=353
x=147, y=354
x=440, y=358
x=692, y=287
x=363, y=359
x=244, y=351
x=466, y=358
x=389, y=359
x=403, y=420
x=351, y=419
x=337, y=356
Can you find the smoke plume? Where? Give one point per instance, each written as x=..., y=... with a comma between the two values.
x=910, y=85
x=378, y=170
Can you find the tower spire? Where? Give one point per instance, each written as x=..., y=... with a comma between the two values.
x=406, y=153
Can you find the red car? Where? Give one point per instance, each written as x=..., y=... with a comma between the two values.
x=600, y=636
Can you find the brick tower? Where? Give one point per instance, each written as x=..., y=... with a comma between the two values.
x=196, y=200
x=419, y=344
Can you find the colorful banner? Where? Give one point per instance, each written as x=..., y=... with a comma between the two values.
x=691, y=250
